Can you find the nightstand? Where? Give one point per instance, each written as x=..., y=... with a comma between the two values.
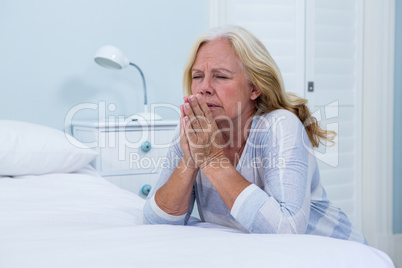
x=130, y=152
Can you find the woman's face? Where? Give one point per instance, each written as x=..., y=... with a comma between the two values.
x=218, y=75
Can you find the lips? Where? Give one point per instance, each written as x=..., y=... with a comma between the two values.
x=211, y=105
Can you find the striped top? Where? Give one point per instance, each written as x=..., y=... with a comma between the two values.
x=286, y=195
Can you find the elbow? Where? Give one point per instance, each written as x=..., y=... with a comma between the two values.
x=152, y=214
x=291, y=227
x=293, y=223
x=284, y=224
x=177, y=210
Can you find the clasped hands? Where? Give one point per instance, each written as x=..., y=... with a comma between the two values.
x=200, y=138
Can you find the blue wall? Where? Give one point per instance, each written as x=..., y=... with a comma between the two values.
x=397, y=189
x=47, y=49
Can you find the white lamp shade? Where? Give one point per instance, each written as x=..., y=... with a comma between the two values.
x=111, y=57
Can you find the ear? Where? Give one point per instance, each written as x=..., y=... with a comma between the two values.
x=255, y=92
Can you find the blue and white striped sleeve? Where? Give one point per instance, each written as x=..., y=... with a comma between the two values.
x=152, y=214
x=283, y=205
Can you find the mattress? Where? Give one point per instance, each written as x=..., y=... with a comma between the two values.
x=81, y=220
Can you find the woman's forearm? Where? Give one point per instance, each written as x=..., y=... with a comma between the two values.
x=228, y=182
x=174, y=196
x=256, y=203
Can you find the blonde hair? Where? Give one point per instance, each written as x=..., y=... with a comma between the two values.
x=262, y=72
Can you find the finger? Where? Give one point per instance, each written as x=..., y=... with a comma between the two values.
x=182, y=131
x=205, y=109
x=183, y=138
x=183, y=134
x=181, y=111
x=189, y=131
x=194, y=123
x=198, y=113
x=193, y=100
x=207, y=118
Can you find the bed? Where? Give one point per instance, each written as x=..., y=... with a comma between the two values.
x=56, y=211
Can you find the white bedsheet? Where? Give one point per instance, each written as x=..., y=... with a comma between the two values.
x=80, y=220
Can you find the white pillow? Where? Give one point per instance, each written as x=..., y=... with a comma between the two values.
x=30, y=149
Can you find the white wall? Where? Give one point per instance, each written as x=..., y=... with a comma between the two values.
x=47, y=49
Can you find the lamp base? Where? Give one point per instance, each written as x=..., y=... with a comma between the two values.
x=145, y=117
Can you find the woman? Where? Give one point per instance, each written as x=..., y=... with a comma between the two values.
x=245, y=144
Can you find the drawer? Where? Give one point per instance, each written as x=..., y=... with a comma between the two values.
x=134, y=183
x=122, y=153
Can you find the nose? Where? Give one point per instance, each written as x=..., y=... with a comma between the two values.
x=206, y=87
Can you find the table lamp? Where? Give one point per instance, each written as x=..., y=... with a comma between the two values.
x=110, y=57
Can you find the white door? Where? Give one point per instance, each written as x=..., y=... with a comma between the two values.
x=334, y=62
